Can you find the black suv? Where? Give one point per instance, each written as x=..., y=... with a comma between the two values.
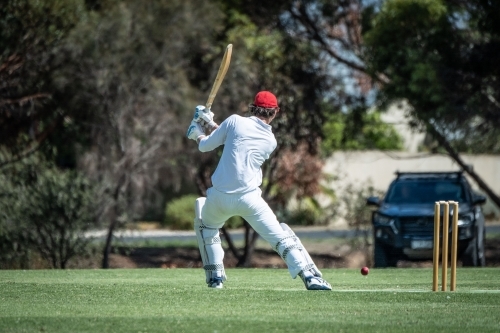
x=403, y=224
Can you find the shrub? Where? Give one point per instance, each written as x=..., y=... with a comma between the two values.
x=179, y=213
x=45, y=210
x=234, y=222
x=307, y=213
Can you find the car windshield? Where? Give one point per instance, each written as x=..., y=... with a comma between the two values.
x=419, y=192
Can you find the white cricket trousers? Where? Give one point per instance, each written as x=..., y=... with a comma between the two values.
x=219, y=207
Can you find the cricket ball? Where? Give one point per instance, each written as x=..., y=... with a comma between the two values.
x=365, y=270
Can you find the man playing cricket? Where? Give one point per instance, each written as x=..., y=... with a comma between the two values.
x=248, y=143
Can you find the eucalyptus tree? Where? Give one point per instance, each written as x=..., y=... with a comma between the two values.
x=30, y=110
x=442, y=57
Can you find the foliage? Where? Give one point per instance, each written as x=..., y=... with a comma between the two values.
x=234, y=222
x=120, y=87
x=108, y=87
x=269, y=60
x=441, y=56
x=308, y=212
x=30, y=32
x=298, y=181
x=179, y=213
x=358, y=130
x=291, y=47
x=294, y=179
x=352, y=208
x=463, y=42
x=137, y=66
x=14, y=249
x=45, y=210
x=445, y=65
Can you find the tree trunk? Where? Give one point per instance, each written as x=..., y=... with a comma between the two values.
x=455, y=156
x=230, y=243
x=107, y=246
x=250, y=239
x=114, y=222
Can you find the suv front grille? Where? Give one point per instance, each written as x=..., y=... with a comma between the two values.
x=417, y=226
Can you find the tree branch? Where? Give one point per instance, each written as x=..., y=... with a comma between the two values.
x=455, y=156
x=23, y=100
x=35, y=146
x=315, y=34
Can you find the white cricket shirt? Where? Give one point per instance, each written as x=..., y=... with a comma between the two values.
x=248, y=142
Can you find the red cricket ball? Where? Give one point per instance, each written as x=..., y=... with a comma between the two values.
x=365, y=270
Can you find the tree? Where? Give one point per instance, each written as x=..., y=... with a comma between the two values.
x=29, y=111
x=462, y=35
x=441, y=56
x=119, y=81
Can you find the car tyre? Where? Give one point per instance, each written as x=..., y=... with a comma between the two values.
x=474, y=255
x=481, y=251
x=380, y=257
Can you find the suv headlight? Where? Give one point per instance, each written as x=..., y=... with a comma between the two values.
x=386, y=221
x=466, y=219
x=382, y=219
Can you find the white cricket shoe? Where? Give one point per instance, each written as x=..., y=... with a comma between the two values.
x=313, y=282
x=216, y=283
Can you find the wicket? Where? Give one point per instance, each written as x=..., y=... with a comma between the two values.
x=444, y=250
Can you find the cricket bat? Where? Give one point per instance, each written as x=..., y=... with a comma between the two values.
x=220, y=75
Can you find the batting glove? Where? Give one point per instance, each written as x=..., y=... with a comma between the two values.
x=204, y=116
x=195, y=130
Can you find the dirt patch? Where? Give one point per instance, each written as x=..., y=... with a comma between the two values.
x=340, y=256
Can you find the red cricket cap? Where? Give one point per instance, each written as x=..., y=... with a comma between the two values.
x=266, y=99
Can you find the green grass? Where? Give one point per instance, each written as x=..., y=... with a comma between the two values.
x=254, y=300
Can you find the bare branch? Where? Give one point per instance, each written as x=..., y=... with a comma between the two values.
x=23, y=100
x=316, y=34
x=34, y=146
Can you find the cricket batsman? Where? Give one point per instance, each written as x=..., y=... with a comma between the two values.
x=248, y=143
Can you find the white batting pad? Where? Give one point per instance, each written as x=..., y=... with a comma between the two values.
x=209, y=243
x=292, y=251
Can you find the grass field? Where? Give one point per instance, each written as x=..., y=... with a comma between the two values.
x=253, y=300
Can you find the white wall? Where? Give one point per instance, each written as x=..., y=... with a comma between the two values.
x=378, y=169
x=395, y=116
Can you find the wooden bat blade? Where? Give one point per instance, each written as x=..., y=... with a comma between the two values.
x=220, y=75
